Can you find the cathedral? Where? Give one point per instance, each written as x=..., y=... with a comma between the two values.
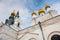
x=44, y=27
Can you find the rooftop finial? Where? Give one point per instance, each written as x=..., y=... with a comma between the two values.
x=13, y=13
x=41, y=11
x=17, y=15
x=47, y=6
x=33, y=13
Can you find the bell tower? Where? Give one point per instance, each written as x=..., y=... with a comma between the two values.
x=33, y=18
x=10, y=21
x=17, y=21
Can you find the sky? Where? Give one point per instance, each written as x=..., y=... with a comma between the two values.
x=25, y=7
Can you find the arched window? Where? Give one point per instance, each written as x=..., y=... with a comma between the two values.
x=32, y=39
x=55, y=37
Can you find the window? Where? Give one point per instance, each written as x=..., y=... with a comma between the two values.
x=55, y=37
x=32, y=39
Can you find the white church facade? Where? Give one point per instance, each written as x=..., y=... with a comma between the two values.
x=46, y=27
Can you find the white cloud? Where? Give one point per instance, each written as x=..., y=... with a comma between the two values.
x=56, y=6
x=7, y=6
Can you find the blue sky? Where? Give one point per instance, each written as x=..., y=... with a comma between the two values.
x=25, y=7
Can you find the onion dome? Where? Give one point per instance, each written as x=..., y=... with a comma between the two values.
x=33, y=13
x=13, y=13
x=47, y=6
x=40, y=11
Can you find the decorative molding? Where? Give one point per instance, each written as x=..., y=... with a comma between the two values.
x=7, y=35
x=32, y=39
x=53, y=33
x=28, y=33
